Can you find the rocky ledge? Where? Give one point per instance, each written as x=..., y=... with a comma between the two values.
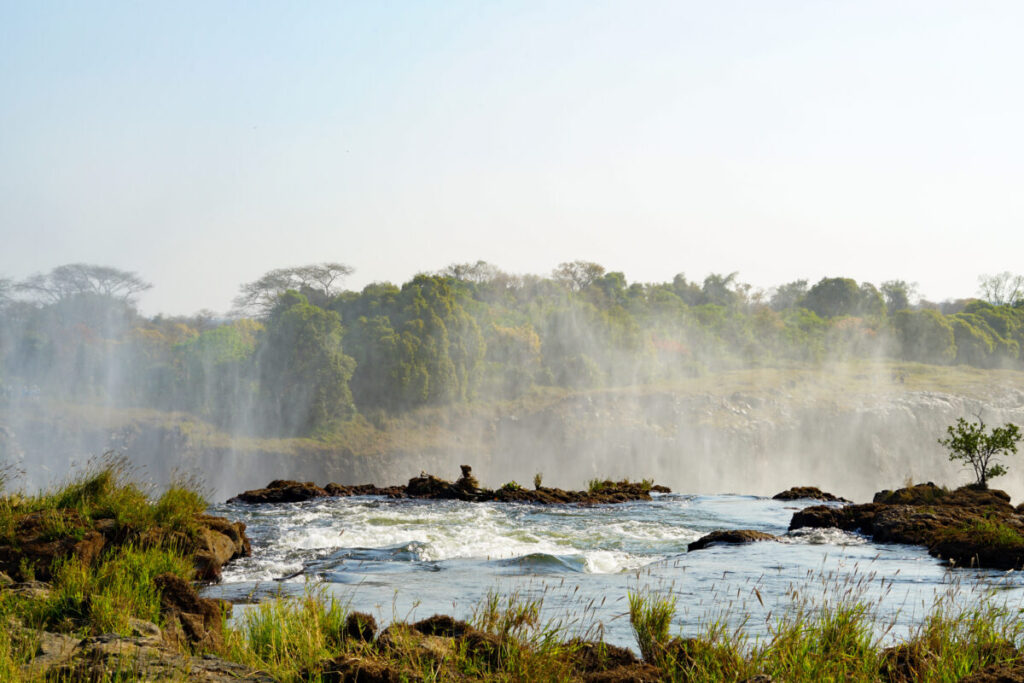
x=966, y=527
x=808, y=493
x=731, y=537
x=34, y=545
x=465, y=488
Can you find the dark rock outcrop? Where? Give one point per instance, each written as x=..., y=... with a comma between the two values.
x=281, y=491
x=965, y=527
x=729, y=536
x=41, y=537
x=465, y=488
x=808, y=493
x=190, y=619
x=360, y=626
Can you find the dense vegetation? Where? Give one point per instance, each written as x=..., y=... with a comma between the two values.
x=301, y=355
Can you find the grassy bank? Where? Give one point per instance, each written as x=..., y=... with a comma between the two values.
x=62, y=584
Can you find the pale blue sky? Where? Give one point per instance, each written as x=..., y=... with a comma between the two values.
x=203, y=143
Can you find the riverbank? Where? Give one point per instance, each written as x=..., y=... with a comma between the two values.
x=101, y=576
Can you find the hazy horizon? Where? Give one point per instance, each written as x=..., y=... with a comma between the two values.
x=202, y=145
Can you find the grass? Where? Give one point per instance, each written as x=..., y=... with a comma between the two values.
x=600, y=485
x=991, y=533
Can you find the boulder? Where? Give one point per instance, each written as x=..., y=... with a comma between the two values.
x=590, y=656
x=808, y=493
x=190, y=619
x=219, y=541
x=729, y=536
x=41, y=537
x=281, y=491
x=360, y=626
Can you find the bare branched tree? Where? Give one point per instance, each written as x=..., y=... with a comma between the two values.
x=65, y=282
x=1002, y=289
x=320, y=279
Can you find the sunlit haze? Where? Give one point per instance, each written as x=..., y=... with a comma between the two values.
x=201, y=144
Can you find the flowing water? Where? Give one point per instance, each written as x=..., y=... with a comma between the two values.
x=409, y=559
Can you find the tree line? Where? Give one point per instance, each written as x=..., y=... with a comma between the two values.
x=301, y=354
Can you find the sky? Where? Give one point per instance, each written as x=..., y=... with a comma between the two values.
x=201, y=144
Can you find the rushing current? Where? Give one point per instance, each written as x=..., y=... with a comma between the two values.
x=409, y=559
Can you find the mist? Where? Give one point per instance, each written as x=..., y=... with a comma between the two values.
x=708, y=387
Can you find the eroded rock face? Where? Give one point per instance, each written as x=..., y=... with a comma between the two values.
x=729, y=536
x=808, y=493
x=965, y=527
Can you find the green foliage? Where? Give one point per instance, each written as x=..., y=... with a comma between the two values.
x=650, y=615
x=511, y=486
x=925, y=336
x=288, y=635
x=303, y=373
x=969, y=443
x=538, y=479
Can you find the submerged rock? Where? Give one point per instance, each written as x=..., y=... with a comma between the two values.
x=729, y=536
x=808, y=493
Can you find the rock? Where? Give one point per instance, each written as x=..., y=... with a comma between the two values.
x=808, y=493
x=360, y=626
x=42, y=537
x=52, y=650
x=406, y=641
x=466, y=488
x=190, y=619
x=32, y=590
x=442, y=625
x=281, y=491
x=591, y=656
x=220, y=541
x=966, y=527
x=730, y=536
x=905, y=663
x=633, y=673
x=997, y=673
x=356, y=668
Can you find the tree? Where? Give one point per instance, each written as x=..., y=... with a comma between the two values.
x=789, y=295
x=968, y=443
x=832, y=297
x=897, y=294
x=303, y=373
x=318, y=282
x=1002, y=289
x=74, y=279
x=578, y=275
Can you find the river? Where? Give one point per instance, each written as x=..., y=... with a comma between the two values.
x=409, y=559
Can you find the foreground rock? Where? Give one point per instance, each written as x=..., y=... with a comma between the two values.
x=145, y=655
x=40, y=538
x=966, y=527
x=808, y=493
x=729, y=537
x=465, y=488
